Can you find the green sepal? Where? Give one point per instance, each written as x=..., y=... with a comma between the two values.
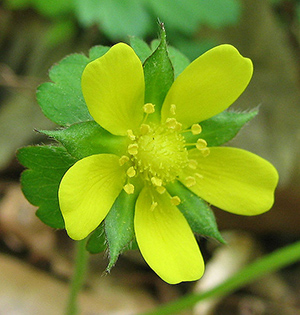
x=221, y=128
x=178, y=59
x=88, y=138
x=159, y=75
x=97, y=240
x=196, y=211
x=119, y=226
x=140, y=47
x=46, y=167
x=61, y=100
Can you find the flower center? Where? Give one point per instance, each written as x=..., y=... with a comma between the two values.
x=158, y=153
x=161, y=155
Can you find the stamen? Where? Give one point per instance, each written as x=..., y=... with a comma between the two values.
x=144, y=129
x=156, y=181
x=130, y=135
x=172, y=123
x=199, y=175
x=201, y=144
x=131, y=171
x=190, y=181
x=196, y=129
x=173, y=109
x=129, y=189
x=205, y=152
x=149, y=108
x=133, y=149
x=178, y=126
x=193, y=164
x=175, y=200
x=153, y=206
x=123, y=159
x=160, y=189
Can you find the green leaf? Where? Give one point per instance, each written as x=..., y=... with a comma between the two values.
x=116, y=19
x=88, y=138
x=97, y=241
x=179, y=15
x=119, y=227
x=178, y=59
x=54, y=8
x=219, y=13
x=98, y=51
x=196, y=211
x=159, y=74
x=140, y=47
x=58, y=33
x=62, y=101
x=47, y=165
x=221, y=128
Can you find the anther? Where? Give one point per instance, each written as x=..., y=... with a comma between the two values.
x=160, y=189
x=131, y=172
x=196, y=129
x=129, y=189
x=149, y=108
x=175, y=201
x=190, y=181
x=193, y=164
x=205, y=152
x=199, y=175
x=130, y=135
x=201, y=144
x=178, y=126
x=123, y=159
x=173, y=109
x=172, y=123
x=156, y=181
x=133, y=149
x=144, y=129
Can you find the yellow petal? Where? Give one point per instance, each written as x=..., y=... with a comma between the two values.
x=113, y=88
x=165, y=238
x=88, y=191
x=208, y=85
x=234, y=180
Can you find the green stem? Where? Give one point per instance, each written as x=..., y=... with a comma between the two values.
x=270, y=263
x=81, y=262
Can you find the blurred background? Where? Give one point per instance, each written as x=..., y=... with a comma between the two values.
x=36, y=261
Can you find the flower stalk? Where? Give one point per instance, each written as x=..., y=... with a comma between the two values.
x=270, y=263
x=79, y=274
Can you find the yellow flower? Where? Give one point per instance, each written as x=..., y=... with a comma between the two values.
x=155, y=154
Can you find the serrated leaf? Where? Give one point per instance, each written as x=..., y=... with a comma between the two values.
x=140, y=47
x=46, y=167
x=98, y=51
x=119, y=227
x=196, y=211
x=159, y=75
x=88, y=138
x=62, y=101
x=221, y=128
x=97, y=241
